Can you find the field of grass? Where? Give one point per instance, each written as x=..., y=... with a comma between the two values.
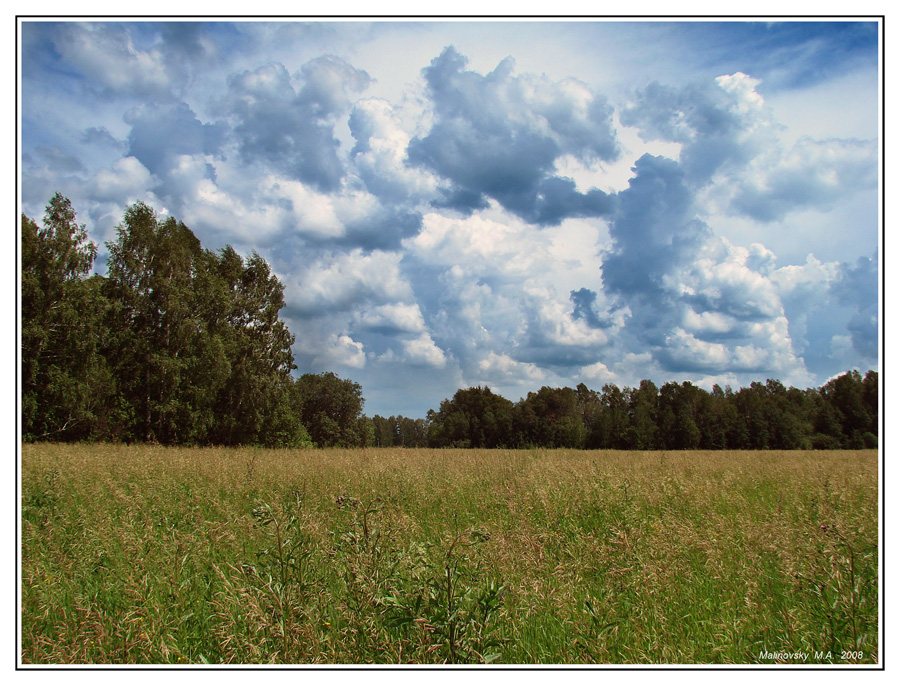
x=170, y=555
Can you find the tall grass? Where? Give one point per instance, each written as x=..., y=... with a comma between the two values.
x=155, y=555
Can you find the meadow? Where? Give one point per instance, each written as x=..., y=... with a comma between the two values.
x=146, y=554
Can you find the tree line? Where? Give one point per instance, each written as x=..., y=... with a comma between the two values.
x=843, y=413
x=181, y=345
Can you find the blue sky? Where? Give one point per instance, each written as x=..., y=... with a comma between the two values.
x=514, y=204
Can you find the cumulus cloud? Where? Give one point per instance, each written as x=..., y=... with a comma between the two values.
x=721, y=279
x=55, y=159
x=391, y=318
x=707, y=323
x=450, y=231
x=812, y=173
x=654, y=231
x=857, y=287
x=501, y=368
x=341, y=281
x=584, y=301
x=730, y=139
x=41, y=179
x=350, y=217
x=99, y=136
x=361, y=305
x=489, y=248
x=287, y=123
x=800, y=282
x=191, y=50
x=699, y=303
x=553, y=335
x=492, y=281
x=683, y=351
x=597, y=374
x=498, y=136
x=339, y=351
x=832, y=308
x=126, y=182
x=383, y=228
x=718, y=124
x=423, y=350
x=160, y=134
x=109, y=60
x=215, y=202
x=380, y=154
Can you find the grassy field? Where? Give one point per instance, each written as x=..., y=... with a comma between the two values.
x=165, y=555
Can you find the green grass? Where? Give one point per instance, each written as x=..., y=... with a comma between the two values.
x=165, y=555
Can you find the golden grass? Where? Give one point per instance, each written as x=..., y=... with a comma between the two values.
x=152, y=554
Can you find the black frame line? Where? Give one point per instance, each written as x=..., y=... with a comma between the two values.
x=880, y=18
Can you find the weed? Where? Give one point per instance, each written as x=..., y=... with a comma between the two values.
x=449, y=608
x=840, y=588
x=41, y=498
x=146, y=554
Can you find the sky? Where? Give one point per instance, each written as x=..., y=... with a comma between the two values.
x=500, y=203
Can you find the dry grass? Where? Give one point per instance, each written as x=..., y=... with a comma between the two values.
x=155, y=555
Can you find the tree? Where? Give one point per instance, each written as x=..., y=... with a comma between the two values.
x=385, y=431
x=64, y=377
x=714, y=416
x=845, y=395
x=786, y=415
x=200, y=353
x=552, y=418
x=642, y=411
x=399, y=431
x=590, y=408
x=331, y=410
x=169, y=364
x=870, y=401
x=258, y=397
x=750, y=404
x=474, y=418
x=614, y=419
x=678, y=428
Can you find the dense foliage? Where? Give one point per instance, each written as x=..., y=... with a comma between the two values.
x=399, y=431
x=176, y=345
x=331, y=409
x=65, y=379
x=182, y=345
x=841, y=414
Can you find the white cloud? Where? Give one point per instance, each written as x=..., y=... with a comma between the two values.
x=804, y=281
x=124, y=183
x=478, y=244
x=210, y=204
x=341, y=351
x=812, y=173
x=707, y=322
x=422, y=350
x=107, y=57
x=721, y=280
x=690, y=352
x=343, y=281
x=743, y=88
x=502, y=368
x=552, y=321
x=733, y=146
x=598, y=374
x=380, y=154
x=394, y=317
x=311, y=213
